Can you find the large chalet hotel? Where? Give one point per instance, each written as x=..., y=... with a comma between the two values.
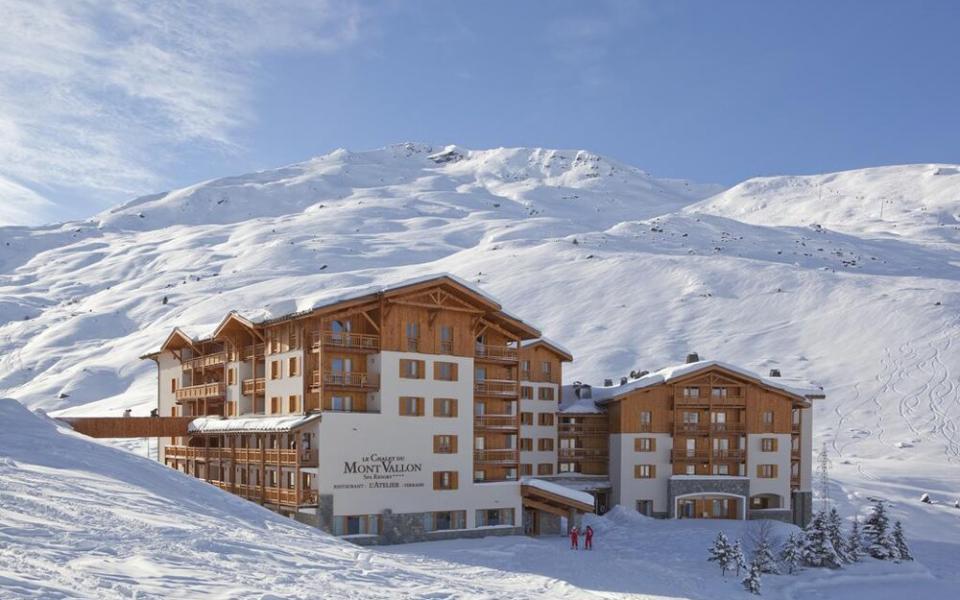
x=424, y=410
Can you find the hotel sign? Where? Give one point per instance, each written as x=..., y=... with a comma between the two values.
x=376, y=471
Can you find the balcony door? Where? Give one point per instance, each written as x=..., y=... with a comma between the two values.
x=341, y=369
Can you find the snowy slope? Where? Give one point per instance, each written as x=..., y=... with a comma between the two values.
x=629, y=271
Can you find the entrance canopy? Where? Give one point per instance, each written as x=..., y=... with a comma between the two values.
x=554, y=498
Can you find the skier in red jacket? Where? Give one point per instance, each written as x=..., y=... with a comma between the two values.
x=588, y=538
x=574, y=539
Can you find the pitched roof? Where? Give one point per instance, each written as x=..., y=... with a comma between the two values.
x=252, y=424
x=552, y=345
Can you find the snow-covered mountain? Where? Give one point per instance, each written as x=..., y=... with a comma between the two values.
x=629, y=271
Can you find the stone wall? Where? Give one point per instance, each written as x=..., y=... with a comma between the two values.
x=802, y=503
x=722, y=485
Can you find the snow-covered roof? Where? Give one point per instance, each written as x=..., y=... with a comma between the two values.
x=547, y=341
x=603, y=394
x=558, y=490
x=576, y=405
x=249, y=424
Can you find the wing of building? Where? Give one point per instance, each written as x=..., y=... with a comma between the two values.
x=425, y=410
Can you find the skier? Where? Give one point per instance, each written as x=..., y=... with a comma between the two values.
x=588, y=538
x=574, y=539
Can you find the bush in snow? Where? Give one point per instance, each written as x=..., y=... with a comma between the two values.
x=791, y=555
x=739, y=560
x=721, y=552
x=752, y=581
x=819, y=551
x=855, y=542
x=762, y=552
x=834, y=525
x=876, y=533
x=903, y=551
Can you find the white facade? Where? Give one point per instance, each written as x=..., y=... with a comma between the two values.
x=536, y=457
x=779, y=485
x=626, y=488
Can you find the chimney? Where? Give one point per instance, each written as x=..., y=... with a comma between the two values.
x=576, y=388
x=774, y=372
x=586, y=392
x=623, y=381
x=693, y=357
x=607, y=382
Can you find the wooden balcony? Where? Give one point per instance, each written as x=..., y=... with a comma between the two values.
x=353, y=380
x=693, y=428
x=270, y=494
x=495, y=422
x=206, y=361
x=357, y=342
x=284, y=457
x=586, y=454
x=254, y=386
x=500, y=354
x=681, y=400
x=499, y=456
x=683, y=454
x=255, y=351
x=496, y=388
x=200, y=392
x=737, y=454
x=574, y=429
x=727, y=427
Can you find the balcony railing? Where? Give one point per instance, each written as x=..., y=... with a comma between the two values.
x=582, y=429
x=347, y=379
x=199, y=392
x=693, y=427
x=729, y=454
x=255, y=351
x=496, y=353
x=349, y=341
x=582, y=453
x=495, y=421
x=498, y=388
x=683, y=454
x=503, y=456
x=270, y=456
x=254, y=386
x=269, y=493
x=208, y=360
x=727, y=427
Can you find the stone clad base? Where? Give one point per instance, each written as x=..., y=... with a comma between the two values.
x=802, y=503
x=705, y=485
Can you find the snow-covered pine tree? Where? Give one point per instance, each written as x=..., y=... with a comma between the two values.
x=752, y=581
x=900, y=543
x=763, y=556
x=721, y=552
x=876, y=533
x=834, y=525
x=739, y=560
x=855, y=542
x=819, y=552
x=791, y=555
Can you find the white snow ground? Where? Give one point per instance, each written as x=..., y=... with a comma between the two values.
x=79, y=519
x=630, y=272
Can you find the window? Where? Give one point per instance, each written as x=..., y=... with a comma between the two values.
x=173, y=386
x=293, y=366
x=444, y=480
x=718, y=392
x=445, y=371
x=480, y=373
x=445, y=444
x=545, y=445
x=768, y=444
x=526, y=418
x=526, y=470
x=721, y=469
x=691, y=392
x=341, y=403
x=766, y=419
x=545, y=419
x=411, y=369
x=292, y=337
x=644, y=471
x=479, y=475
x=526, y=392
x=545, y=393
x=231, y=376
x=767, y=471
x=644, y=444
x=566, y=467
x=413, y=336
x=411, y=406
x=356, y=525
x=526, y=444
x=274, y=342
x=275, y=369
x=446, y=339
x=275, y=404
x=645, y=507
x=441, y=521
x=545, y=369
x=545, y=469
x=691, y=418
x=690, y=470
x=525, y=368
x=293, y=404
x=492, y=517
x=645, y=417
x=444, y=407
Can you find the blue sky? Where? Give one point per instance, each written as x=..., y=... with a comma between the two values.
x=99, y=104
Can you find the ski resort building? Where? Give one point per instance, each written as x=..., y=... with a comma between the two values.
x=424, y=410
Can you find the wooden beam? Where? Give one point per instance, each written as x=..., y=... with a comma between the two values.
x=435, y=307
x=371, y=321
x=560, y=512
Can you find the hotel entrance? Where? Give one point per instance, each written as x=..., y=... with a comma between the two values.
x=710, y=506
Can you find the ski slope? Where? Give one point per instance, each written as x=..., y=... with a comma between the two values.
x=804, y=274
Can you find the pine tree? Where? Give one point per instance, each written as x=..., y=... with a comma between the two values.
x=763, y=556
x=834, y=525
x=752, y=581
x=739, y=560
x=855, y=542
x=791, y=555
x=876, y=533
x=721, y=552
x=900, y=543
x=819, y=552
